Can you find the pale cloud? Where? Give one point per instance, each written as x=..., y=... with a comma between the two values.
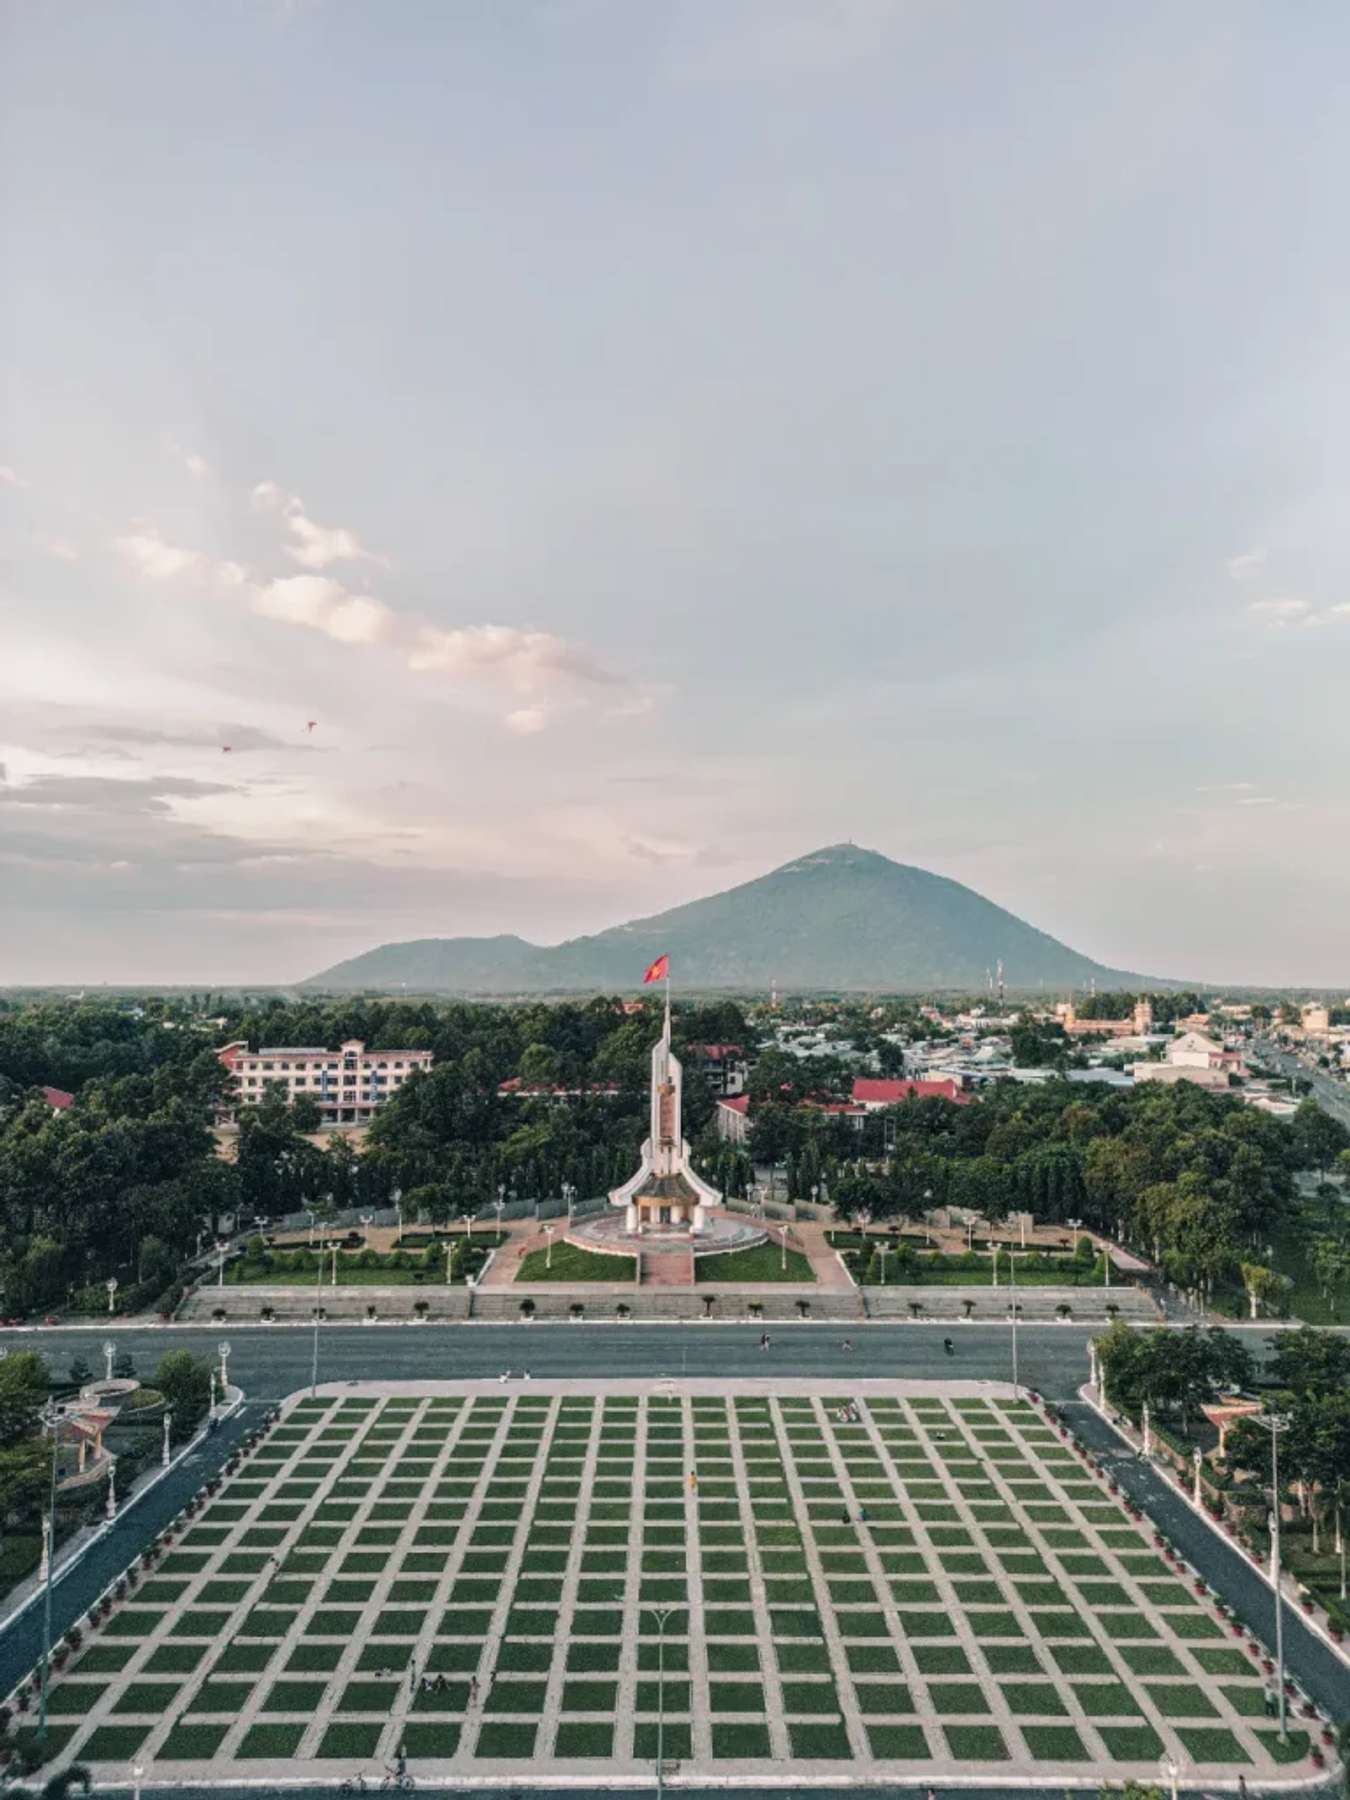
x=323, y=605
x=1247, y=566
x=1257, y=800
x=11, y=477
x=1227, y=787
x=147, y=551
x=196, y=466
x=1282, y=613
x=60, y=548
x=526, y=659
x=315, y=546
x=526, y=721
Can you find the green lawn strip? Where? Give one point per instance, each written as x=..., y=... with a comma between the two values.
x=1106, y=1699
x=1054, y=1743
x=504, y=1739
x=735, y=1741
x=105, y=1659
x=1150, y=1659
x=567, y=1262
x=273, y=1743
x=882, y=1697
x=898, y=1743
x=152, y=1697
x=113, y=1743
x=192, y=1743
x=1293, y=1750
x=347, y=1741
x=1011, y=1659
x=584, y=1737
x=764, y=1262
x=1179, y=1700
x=975, y=1743
x=1211, y=1744
x=676, y=1741
x=957, y=1697
x=940, y=1659
x=1033, y=1697
x=293, y=1697
x=817, y=1742
x=75, y=1697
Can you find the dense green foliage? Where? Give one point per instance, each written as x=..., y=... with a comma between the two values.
x=1194, y=1178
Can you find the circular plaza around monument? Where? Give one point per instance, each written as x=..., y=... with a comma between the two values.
x=608, y=1234
x=787, y=1582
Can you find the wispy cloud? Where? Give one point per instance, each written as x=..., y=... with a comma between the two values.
x=526, y=721
x=525, y=659
x=59, y=548
x=147, y=552
x=11, y=477
x=324, y=605
x=1283, y=614
x=1246, y=566
x=315, y=546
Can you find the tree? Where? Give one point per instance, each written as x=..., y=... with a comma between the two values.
x=185, y=1382
x=1310, y=1362
x=24, y=1385
x=1264, y=1286
x=1318, y=1138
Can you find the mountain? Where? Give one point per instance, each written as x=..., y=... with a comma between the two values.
x=839, y=919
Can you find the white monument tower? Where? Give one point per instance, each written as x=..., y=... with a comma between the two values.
x=665, y=1195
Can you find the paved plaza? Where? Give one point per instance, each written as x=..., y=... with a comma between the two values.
x=477, y=1574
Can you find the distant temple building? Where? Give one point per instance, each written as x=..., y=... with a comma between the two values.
x=1139, y=1024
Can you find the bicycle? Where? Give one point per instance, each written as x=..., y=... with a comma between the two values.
x=397, y=1783
x=355, y=1784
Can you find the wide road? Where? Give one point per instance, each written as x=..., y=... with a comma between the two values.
x=269, y=1362
x=1331, y=1095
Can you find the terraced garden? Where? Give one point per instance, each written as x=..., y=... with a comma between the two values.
x=479, y=1577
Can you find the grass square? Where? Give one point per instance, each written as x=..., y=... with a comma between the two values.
x=1033, y=1697
x=1179, y=1700
x=739, y=1741
x=1131, y=1743
x=818, y=1741
x=192, y=1743
x=349, y=1741
x=1106, y=1700
x=174, y=1659
x=293, y=1696
x=1054, y=1743
x=975, y=1743
x=1011, y=1659
x=957, y=1697
x=113, y=1743
x=897, y=1743
x=584, y=1737
x=431, y=1741
x=146, y=1697
x=941, y=1659
x=500, y=1738
x=676, y=1744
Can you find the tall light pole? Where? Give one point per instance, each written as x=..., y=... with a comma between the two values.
x=397, y=1198
x=168, y=1427
x=1275, y=1424
x=1012, y=1287
x=883, y=1250
x=51, y=1417
x=783, y=1263
x=111, y=1285
x=366, y=1221
x=112, y=1489
x=1073, y=1225
x=548, y=1254
x=662, y=1615
x=449, y=1258
x=318, y=1289
x=109, y=1351
x=334, y=1248
x=223, y=1348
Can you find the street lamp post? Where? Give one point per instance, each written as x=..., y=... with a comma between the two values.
x=1170, y=1771
x=1148, y=1434
x=397, y=1198
x=661, y=1614
x=318, y=1289
x=994, y=1251
x=1276, y=1423
x=109, y=1351
x=1073, y=1225
x=1199, y=1460
x=883, y=1250
x=51, y=1417
x=783, y=1263
x=168, y=1427
x=449, y=1258
x=137, y=1773
x=367, y=1219
x=500, y=1205
x=467, y=1216
x=1012, y=1288
x=548, y=1254
x=335, y=1257
x=112, y=1489
x=111, y=1285
x=223, y=1348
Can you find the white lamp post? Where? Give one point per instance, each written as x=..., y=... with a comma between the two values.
x=1277, y=1423
x=994, y=1250
x=109, y=1351
x=1199, y=1460
x=500, y=1206
x=883, y=1251
x=1148, y=1433
x=449, y=1258
x=46, y=1561
x=137, y=1775
x=221, y=1248
x=335, y=1257
x=548, y=1254
x=211, y=1377
x=168, y=1426
x=783, y=1243
x=112, y=1489
x=1073, y=1225
x=1169, y=1770
x=467, y=1216
x=223, y=1348
x=111, y=1285
x=397, y=1198
x=366, y=1221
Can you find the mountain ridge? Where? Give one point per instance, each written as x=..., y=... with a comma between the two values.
x=841, y=918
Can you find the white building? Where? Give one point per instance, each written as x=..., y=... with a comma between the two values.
x=349, y=1083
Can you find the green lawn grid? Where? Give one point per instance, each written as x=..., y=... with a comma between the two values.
x=523, y=1540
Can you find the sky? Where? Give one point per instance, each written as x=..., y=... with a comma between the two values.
x=470, y=467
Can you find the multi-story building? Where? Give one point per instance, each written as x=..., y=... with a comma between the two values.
x=349, y=1083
